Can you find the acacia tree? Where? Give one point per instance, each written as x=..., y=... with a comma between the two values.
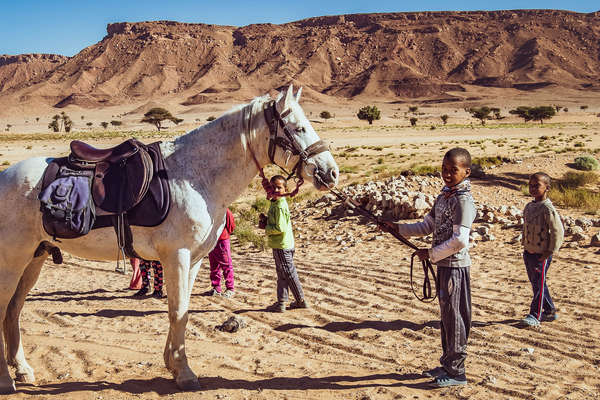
x=66, y=122
x=522, y=112
x=370, y=113
x=541, y=113
x=157, y=115
x=444, y=118
x=481, y=113
x=54, y=124
x=413, y=121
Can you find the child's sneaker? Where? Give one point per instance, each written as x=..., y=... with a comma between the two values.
x=435, y=372
x=278, y=307
x=299, y=304
x=213, y=292
x=228, y=293
x=530, y=321
x=158, y=294
x=141, y=292
x=447, y=380
x=549, y=317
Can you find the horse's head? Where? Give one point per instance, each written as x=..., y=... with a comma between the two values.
x=295, y=134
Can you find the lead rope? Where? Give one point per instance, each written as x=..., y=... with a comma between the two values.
x=426, y=264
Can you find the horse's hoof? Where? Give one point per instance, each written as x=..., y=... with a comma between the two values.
x=189, y=385
x=25, y=378
x=7, y=385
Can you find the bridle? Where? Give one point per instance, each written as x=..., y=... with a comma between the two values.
x=288, y=144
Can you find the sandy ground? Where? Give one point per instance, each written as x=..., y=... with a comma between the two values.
x=365, y=337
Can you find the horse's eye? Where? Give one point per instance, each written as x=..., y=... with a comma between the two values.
x=300, y=129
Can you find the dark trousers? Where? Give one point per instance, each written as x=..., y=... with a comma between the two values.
x=158, y=274
x=287, y=276
x=454, y=294
x=536, y=271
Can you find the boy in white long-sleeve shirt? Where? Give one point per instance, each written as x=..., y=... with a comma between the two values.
x=450, y=221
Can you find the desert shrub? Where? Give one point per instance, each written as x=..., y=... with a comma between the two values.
x=104, y=124
x=488, y=161
x=586, y=163
x=417, y=169
x=444, y=119
x=413, y=109
x=413, y=121
x=432, y=127
x=246, y=228
x=89, y=123
x=573, y=180
x=496, y=112
x=575, y=198
x=348, y=169
x=325, y=114
x=116, y=123
x=6, y=163
x=211, y=118
x=369, y=113
x=584, y=107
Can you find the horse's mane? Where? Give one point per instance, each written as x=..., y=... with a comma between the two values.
x=234, y=112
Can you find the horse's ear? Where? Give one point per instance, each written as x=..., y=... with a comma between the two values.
x=298, y=94
x=289, y=96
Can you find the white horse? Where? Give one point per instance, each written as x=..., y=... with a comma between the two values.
x=208, y=169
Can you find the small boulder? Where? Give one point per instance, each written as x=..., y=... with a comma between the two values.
x=233, y=324
x=595, y=241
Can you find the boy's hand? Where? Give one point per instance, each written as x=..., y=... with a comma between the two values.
x=545, y=255
x=423, y=254
x=262, y=221
x=386, y=226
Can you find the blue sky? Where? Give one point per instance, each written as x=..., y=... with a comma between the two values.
x=67, y=26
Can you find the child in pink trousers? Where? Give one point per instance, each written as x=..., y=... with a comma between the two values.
x=220, y=260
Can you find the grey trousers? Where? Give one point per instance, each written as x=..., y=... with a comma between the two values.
x=454, y=294
x=287, y=276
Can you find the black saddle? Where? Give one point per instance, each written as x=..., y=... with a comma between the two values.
x=129, y=185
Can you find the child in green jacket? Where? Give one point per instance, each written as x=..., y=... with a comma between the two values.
x=280, y=237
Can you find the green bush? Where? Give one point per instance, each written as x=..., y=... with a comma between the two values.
x=485, y=162
x=369, y=113
x=586, y=163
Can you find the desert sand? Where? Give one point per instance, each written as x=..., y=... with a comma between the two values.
x=366, y=336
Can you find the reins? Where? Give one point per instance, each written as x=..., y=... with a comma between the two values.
x=428, y=296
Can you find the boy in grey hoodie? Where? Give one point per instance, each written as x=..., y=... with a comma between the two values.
x=450, y=221
x=543, y=235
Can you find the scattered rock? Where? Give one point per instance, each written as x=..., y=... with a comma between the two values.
x=233, y=324
x=595, y=241
x=529, y=350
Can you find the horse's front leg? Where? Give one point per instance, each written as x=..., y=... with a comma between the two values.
x=177, y=274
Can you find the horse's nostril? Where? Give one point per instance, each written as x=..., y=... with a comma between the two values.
x=334, y=174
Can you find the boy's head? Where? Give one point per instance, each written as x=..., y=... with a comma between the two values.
x=539, y=184
x=456, y=166
x=279, y=185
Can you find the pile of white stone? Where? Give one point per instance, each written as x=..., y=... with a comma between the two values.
x=406, y=198
x=396, y=198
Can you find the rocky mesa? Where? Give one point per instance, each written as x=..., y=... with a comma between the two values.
x=386, y=56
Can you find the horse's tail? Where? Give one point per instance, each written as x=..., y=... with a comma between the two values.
x=49, y=248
